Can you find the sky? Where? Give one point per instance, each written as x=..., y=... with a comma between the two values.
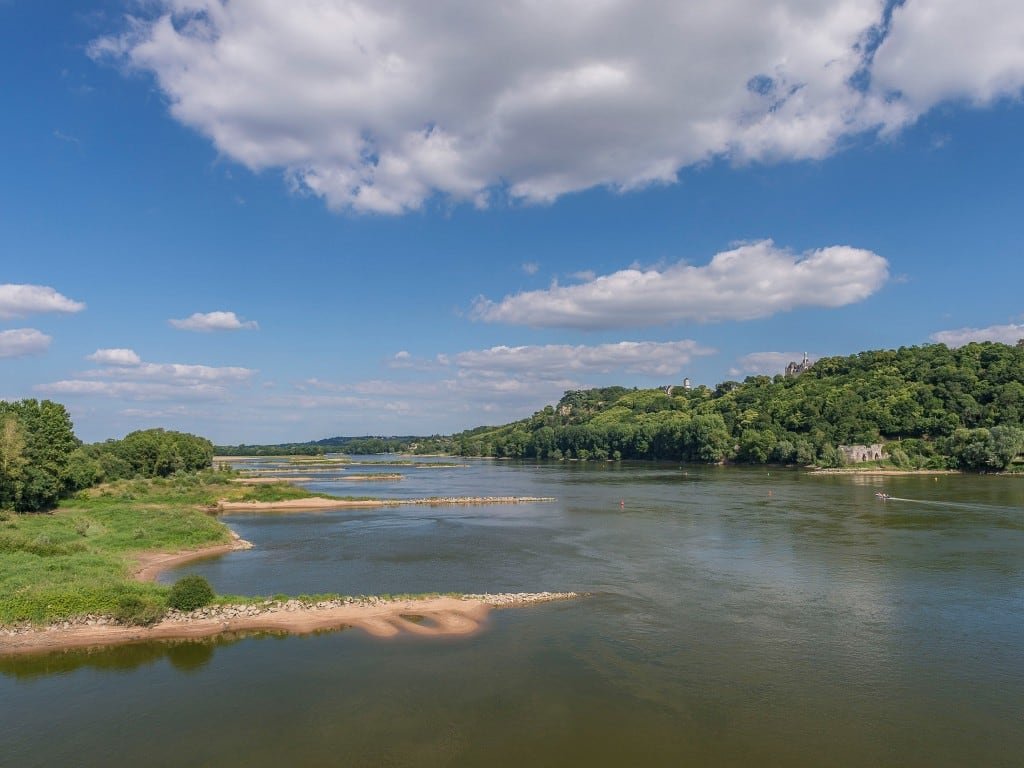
x=273, y=222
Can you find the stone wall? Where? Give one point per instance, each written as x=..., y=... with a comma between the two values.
x=854, y=454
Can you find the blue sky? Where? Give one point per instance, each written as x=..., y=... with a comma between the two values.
x=401, y=218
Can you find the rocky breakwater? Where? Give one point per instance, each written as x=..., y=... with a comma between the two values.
x=512, y=599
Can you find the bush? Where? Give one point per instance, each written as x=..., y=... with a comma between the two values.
x=138, y=611
x=189, y=593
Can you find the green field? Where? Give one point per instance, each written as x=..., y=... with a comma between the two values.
x=78, y=559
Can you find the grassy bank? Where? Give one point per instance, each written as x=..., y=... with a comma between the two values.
x=79, y=559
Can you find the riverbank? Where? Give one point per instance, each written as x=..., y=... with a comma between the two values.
x=149, y=565
x=433, y=616
x=882, y=472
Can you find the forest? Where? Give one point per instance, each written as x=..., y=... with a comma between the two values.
x=42, y=461
x=930, y=406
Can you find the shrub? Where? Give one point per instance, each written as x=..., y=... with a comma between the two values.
x=189, y=593
x=138, y=611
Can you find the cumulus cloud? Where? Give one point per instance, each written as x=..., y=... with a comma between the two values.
x=553, y=360
x=22, y=342
x=135, y=390
x=124, y=375
x=501, y=382
x=751, y=281
x=175, y=372
x=115, y=357
x=531, y=267
x=377, y=106
x=17, y=300
x=1007, y=334
x=765, y=363
x=214, y=321
x=940, y=50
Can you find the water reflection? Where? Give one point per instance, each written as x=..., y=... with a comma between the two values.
x=183, y=655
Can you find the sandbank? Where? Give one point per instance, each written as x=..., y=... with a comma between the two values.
x=383, y=618
x=149, y=565
x=319, y=502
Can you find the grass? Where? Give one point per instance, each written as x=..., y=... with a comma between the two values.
x=78, y=560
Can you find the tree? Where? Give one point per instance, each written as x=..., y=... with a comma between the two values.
x=12, y=458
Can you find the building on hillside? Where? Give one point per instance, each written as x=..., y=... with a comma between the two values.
x=795, y=368
x=855, y=454
x=668, y=389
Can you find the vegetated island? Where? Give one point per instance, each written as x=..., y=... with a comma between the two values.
x=78, y=556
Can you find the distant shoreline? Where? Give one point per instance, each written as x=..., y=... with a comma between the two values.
x=878, y=471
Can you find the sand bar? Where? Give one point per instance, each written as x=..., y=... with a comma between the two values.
x=427, y=616
x=149, y=565
x=319, y=502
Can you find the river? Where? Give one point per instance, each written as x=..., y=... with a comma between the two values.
x=734, y=617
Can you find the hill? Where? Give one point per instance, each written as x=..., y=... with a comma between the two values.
x=931, y=406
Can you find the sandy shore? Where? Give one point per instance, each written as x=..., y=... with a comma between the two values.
x=428, y=616
x=149, y=565
x=319, y=502
x=372, y=477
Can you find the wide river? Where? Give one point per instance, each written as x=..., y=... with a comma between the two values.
x=736, y=617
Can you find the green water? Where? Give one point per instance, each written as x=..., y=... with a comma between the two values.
x=736, y=617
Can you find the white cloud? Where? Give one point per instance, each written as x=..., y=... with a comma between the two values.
x=214, y=321
x=136, y=390
x=751, y=281
x=21, y=342
x=941, y=50
x=404, y=361
x=531, y=267
x=124, y=375
x=495, y=384
x=1007, y=334
x=765, y=363
x=175, y=372
x=17, y=300
x=644, y=357
x=376, y=106
x=112, y=356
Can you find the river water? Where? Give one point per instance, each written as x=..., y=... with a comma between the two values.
x=736, y=617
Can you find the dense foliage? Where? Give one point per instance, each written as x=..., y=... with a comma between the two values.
x=190, y=592
x=37, y=441
x=931, y=406
x=42, y=461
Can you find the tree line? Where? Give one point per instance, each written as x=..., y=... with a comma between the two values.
x=931, y=406
x=42, y=461
x=347, y=445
